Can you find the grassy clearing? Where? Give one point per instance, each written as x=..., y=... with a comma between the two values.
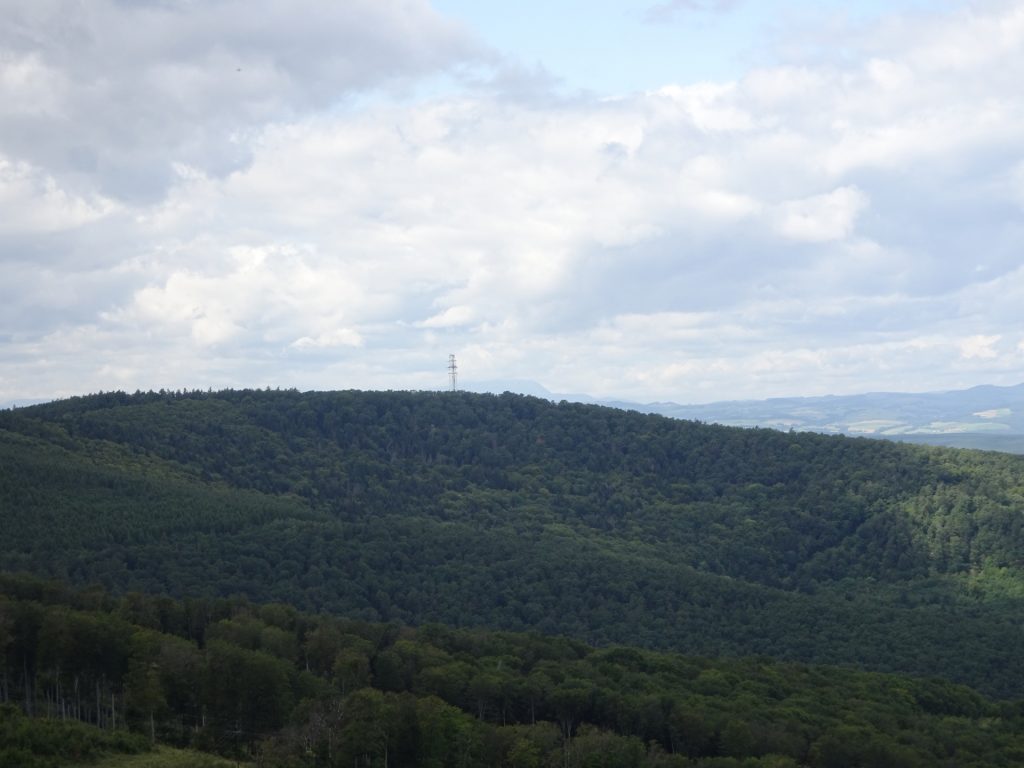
x=165, y=757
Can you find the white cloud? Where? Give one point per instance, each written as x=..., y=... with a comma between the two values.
x=273, y=296
x=979, y=346
x=34, y=202
x=668, y=10
x=814, y=226
x=115, y=93
x=711, y=107
x=450, y=318
x=821, y=218
x=341, y=337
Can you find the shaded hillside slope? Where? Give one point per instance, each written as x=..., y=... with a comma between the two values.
x=513, y=512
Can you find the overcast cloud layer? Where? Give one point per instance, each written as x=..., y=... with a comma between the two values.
x=259, y=192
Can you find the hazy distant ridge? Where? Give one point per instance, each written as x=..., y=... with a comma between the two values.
x=985, y=417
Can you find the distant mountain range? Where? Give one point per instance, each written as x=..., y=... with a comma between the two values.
x=984, y=417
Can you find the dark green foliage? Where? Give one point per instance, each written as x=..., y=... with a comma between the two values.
x=27, y=743
x=512, y=512
x=443, y=697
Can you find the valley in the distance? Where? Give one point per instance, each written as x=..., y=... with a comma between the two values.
x=983, y=417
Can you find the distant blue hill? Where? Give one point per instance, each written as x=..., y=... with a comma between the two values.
x=984, y=417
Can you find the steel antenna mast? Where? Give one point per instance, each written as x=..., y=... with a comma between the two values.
x=453, y=376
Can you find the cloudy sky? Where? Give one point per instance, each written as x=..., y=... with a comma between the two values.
x=685, y=200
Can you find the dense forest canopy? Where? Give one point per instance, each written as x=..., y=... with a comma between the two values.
x=288, y=689
x=516, y=513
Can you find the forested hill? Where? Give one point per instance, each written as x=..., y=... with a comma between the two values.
x=512, y=512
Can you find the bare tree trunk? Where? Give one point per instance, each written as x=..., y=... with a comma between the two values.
x=28, y=687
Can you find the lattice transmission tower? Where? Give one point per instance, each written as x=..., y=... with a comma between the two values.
x=453, y=374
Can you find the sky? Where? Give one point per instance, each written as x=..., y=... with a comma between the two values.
x=675, y=200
